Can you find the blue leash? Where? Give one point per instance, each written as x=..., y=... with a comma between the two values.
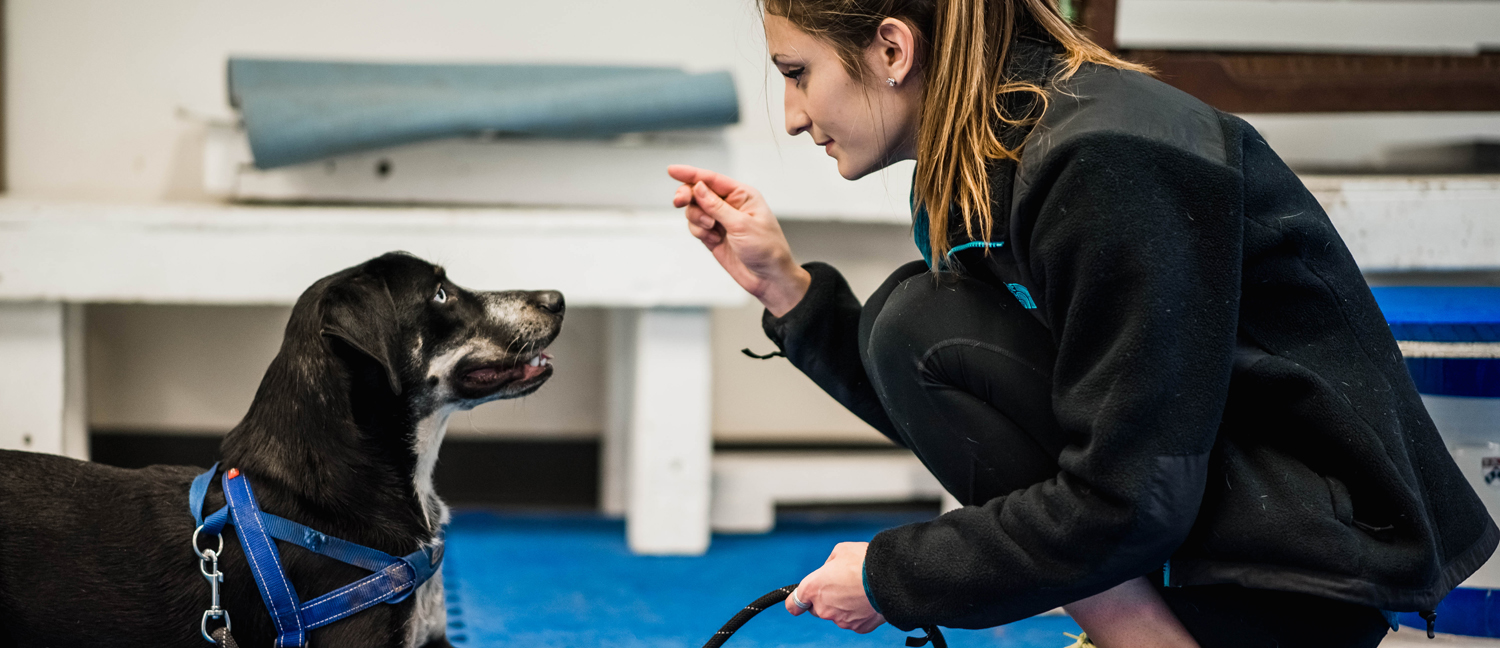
x=393, y=579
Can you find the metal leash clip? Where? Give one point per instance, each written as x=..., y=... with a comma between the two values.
x=209, y=565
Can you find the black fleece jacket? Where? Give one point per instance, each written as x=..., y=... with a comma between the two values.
x=1235, y=404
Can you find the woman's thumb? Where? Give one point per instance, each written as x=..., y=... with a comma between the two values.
x=715, y=206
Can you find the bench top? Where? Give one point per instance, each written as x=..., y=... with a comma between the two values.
x=206, y=253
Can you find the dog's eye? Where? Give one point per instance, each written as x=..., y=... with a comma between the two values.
x=441, y=296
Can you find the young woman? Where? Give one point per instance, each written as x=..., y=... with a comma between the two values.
x=1136, y=349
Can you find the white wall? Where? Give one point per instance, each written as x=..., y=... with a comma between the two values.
x=106, y=100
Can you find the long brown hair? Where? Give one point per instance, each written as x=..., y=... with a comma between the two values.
x=963, y=46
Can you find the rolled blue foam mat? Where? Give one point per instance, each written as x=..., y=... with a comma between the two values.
x=299, y=111
x=569, y=581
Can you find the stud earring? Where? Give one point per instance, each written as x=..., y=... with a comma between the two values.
x=890, y=82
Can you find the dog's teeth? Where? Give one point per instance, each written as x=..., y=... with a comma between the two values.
x=535, y=362
x=545, y=361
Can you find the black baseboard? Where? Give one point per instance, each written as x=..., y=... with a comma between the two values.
x=470, y=472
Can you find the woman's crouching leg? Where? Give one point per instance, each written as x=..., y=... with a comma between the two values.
x=965, y=374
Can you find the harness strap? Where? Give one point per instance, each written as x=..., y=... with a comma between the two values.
x=393, y=579
x=198, y=491
x=265, y=562
x=424, y=562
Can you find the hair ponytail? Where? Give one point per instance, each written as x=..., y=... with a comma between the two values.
x=967, y=43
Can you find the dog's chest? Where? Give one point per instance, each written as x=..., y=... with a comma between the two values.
x=429, y=617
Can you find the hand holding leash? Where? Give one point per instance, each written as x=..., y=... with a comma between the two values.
x=836, y=591
x=788, y=593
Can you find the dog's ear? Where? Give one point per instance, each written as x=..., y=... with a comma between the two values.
x=361, y=312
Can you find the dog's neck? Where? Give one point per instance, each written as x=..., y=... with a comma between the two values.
x=332, y=439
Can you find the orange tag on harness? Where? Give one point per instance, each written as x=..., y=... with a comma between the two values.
x=233, y=472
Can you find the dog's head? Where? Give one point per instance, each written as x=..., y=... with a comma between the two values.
x=400, y=319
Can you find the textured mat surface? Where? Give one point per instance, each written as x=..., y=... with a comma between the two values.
x=557, y=581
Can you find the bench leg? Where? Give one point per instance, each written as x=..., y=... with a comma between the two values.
x=41, y=378
x=619, y=395
x=667, y=436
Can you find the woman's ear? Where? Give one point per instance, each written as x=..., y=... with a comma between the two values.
x=893, y=51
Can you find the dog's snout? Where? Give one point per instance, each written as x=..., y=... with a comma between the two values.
x=549, y=300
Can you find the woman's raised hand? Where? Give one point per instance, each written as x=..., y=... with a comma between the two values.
x=734, y=223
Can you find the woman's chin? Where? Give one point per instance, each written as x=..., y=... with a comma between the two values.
x=855, y=171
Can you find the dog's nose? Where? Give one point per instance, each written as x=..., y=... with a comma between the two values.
x=550, y=301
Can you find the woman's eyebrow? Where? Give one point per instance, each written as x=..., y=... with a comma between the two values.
x=776, y=58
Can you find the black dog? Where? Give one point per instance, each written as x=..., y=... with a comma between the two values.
x=342, y=437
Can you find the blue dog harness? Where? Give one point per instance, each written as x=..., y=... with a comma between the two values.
x=393, y=579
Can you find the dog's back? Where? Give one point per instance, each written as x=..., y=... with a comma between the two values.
x=72, y=533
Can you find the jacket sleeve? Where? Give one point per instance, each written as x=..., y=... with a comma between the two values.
x=820, y=336
x=1135, y=248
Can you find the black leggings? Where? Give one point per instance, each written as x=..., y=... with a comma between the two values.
x=964, y=373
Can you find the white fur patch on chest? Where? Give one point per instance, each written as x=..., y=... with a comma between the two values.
x=428, y=440
x=430, y=614
x=429, y=617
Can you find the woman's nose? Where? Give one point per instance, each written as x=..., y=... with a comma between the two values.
x=797, y=120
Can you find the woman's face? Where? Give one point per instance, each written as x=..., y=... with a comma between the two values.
x=865, y=125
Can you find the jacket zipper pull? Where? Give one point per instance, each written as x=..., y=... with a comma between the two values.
x=1431, y=617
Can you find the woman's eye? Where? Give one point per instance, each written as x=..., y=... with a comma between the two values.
x=441, y=296
x=794, y=74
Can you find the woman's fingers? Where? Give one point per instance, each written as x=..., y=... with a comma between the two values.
x=696, y=215
x=805, y=592
x=715, y=206
x=720, y=184
x=710, y=236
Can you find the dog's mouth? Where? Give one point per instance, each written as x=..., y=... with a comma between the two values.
x=513, y=379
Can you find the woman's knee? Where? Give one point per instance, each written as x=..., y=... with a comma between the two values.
x=937, y=339
x=923, y=313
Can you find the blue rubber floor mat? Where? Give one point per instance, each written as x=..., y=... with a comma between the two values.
x=568, y=581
